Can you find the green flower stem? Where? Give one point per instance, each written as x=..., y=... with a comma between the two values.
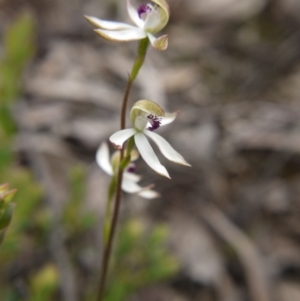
x=142, y=50
x=111, y=192
x=127, y=159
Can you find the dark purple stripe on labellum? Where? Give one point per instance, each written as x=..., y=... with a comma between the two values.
x=154, y=121
x=131, y=168
x=144, y=8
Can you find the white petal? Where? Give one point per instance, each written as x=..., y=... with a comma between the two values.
x=148, y=154
x=144, y=192
x=133, y=14
x=160, y=43
x=167, y=150
x=132, y=187
x=131, y=176
x=118, y=138
x=108, y=25
x=122, y=35
x=149, y=194
x=102, y=158
x=170, y=117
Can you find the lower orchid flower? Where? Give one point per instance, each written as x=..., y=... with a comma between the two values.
x=146, y=116
x=130, y=179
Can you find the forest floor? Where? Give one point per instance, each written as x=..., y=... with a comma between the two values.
x=232, y=70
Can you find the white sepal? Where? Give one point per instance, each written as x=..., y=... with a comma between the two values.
x=166, y=149
x=124, y=35
x=118, y=138
x=103, y=160
x=149, y=155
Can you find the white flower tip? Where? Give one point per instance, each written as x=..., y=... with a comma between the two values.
x=149, y=194
x=163, y=172
x=180, y=161
x=90, y=19
x=116, y=146
x=187, y=164
x=102, y=158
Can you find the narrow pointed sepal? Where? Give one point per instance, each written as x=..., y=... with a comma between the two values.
x=149, y=194
x=133, y=187
x=149, y=155
x=108, y=25
x=166, y=149
x=118, y=138
x=103, y=160
x=125, y=35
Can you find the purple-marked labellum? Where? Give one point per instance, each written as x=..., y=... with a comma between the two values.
x=154, y=121
x=144, y=9
x=131, y=168
x=147, y=116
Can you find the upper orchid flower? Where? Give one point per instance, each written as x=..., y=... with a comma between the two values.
x=146, y=116
x=149, y=19
x=130, y=179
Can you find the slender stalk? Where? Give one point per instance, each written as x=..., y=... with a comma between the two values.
x=123, y=110
x=108, y=247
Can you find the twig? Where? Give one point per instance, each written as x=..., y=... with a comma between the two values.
x=246, y=251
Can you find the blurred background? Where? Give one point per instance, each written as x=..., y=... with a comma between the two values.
x=227, y=229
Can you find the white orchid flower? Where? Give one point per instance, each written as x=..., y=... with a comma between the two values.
x=130, y=179
x=148, y=18
x=146, y=116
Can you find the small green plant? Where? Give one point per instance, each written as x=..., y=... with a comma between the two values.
x=18, y=48
x=6, y=208
x=44, y=283
x=141, y=258
x=76, y=218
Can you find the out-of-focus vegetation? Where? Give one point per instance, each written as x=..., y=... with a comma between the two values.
x=6, y=208
x=18, y=49
x=140, y=259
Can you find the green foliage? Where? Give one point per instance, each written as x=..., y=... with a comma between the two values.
x=140, y=258
x=18, y=49
x=44, y=284
x=76, y=219
x=25, y=213
x=6, y=208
